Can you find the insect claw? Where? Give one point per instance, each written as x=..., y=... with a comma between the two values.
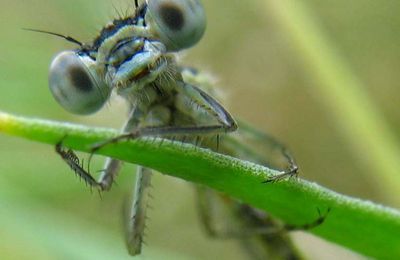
x=291, y=173
x=321, y=217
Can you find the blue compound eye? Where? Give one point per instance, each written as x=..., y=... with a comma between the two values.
x=75, y=84
x=179, y=24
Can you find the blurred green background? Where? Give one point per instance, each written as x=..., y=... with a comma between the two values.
x=46, y=213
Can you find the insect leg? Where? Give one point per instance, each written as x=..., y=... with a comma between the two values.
x=112, y=166
x=224, y=122
x=137, y=218
x=269, y=146
x=206, y=200
x=245, y=221
x=321, y=218
x=293, y=169
x=260, y=235
x=254, y=221
x=111, y=170
x=73, y=161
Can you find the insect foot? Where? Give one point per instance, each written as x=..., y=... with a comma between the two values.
x=289, y=174
x=76, y=165
x=319, y=221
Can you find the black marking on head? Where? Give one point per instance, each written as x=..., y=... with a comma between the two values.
x=172, y=16
x=112, y=29
x=117, y=24
x=80, y=79
x=126, y=49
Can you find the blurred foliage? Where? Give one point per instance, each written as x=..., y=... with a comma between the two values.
x=266, y=84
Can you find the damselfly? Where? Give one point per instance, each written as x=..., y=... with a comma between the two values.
x=135, y=57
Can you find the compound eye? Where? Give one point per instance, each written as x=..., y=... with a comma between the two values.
x=179, y=23
x=75, y=84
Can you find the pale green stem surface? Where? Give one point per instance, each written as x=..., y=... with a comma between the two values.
x=343, y=94
x=363, y=226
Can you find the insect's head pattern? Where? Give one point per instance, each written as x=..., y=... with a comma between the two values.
x=128, y=54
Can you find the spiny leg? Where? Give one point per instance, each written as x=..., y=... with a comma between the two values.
x=258, y=222
x=224, y=121
x=137, y=218
x=262, y=236
x=267, y=230
x=267, y=143
x=319, y=221
x=112, y=166
x=242, y=222
x=110, y=171
x=73, y=162
x=210, y=201
x=206, y=200
x=250, y=134
x=292, y=171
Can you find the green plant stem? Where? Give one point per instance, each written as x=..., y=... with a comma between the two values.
x=343, y=94
x=363, y=226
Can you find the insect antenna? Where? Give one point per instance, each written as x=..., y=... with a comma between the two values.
x=68, y=38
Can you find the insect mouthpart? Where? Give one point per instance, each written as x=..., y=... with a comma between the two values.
x=143, y=68
x=152, y=69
